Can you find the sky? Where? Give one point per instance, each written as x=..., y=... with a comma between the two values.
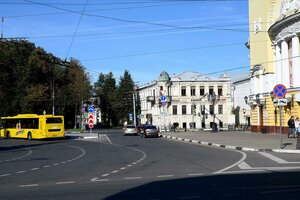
x=144, y=37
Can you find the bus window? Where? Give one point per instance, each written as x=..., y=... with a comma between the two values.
x=54, y=120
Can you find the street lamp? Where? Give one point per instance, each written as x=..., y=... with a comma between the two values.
x=213, y=98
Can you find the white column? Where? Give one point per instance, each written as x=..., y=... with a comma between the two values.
x=296, y=61
x=277, y=64
x=285, y=69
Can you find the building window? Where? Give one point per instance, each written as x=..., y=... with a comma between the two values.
x=220, y=109
x=161, y=88
x=183, y=91
x=183, y=110
x=175, y=110
x=202, y=91
x=193, y=91
x=220, y=90
x=211, y=90
x=202, y=109
x=211, y=109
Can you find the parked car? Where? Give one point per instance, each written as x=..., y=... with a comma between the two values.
x=149, y=130
x=131, y=130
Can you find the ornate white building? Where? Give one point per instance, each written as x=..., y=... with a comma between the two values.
x=187, y=105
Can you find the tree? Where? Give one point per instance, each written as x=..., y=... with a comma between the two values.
x=125, y=97
x=105, y=88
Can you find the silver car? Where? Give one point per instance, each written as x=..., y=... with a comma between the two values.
x=149, y=130
x=131, y=130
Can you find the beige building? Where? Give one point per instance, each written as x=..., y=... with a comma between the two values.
x=183, y=101
x=275, y=59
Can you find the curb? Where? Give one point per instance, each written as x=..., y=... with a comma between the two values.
x=226, y=146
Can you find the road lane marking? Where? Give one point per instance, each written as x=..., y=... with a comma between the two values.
x=99, y=180
x=196, y=174
x=34, y=169
x=28, y=154
x=20, y=172
x=64, y=183
x=3, y=175
x=132, y=178
x=233, y=165
x=105, y=175
x=31, y=185
x=276, y=159
x=122, y=168
x=108, y=139
x=46, y=166
x=116, y=171
x=244, y=165
x=165, y=176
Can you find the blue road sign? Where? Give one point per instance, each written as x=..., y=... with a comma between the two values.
x=163, y=103
x=91, y=109
x=279, y=91
x=163, y=98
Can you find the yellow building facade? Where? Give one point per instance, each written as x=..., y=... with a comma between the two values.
x=275, y=59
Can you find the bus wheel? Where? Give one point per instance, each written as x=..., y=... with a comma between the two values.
x=29, y=137
x=7, y=135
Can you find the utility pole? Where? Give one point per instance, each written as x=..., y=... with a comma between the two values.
x=134, y=114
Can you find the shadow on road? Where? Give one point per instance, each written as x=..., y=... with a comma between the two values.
x=270, y=185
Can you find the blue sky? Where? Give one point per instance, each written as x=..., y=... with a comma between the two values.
x=143, y=36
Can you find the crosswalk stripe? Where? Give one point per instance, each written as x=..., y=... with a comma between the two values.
x=274, y=158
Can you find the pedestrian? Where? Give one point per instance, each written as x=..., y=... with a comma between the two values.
x=291, y=124
x=297, y=127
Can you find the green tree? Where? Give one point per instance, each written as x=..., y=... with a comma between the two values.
x=125, y=97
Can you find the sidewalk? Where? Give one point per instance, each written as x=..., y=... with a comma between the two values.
x=240, y=140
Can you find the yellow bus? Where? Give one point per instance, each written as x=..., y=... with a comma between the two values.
x=32, y=126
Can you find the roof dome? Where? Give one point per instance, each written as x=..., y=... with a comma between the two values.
x=164, y=76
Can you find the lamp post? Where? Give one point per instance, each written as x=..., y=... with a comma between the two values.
x=213, y=98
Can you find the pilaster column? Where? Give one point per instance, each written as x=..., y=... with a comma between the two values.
x=285, y=69
x=278, y=63
x=296, y=61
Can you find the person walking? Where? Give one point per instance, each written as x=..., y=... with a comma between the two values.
x=291, y=124
x=297, y=127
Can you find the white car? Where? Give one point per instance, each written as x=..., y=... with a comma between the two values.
x=131, y=130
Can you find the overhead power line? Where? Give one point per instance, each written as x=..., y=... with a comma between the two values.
x=138, y=21
x=76, y=29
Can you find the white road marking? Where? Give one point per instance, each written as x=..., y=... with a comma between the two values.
x=20, y=172
x=276, y=159
x=31, y=185
x=244, y=165
x=122, y=168
x=233, y=165
x=66, y=182
x=165, y=176
x=132, y=178
x=244, y=171
x=108, y=139
x=34, y=169
x=196, y=174
x=99, y=180
x=3, y=175
x=113, y=172
x=129, y=165
x=46, y=166
x=28, y=154
x=105, y=175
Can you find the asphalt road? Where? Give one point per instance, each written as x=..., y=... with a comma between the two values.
x=130, y=167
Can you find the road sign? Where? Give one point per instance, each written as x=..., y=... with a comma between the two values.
x=163, y=98
x=91, y=109
x=91, y=120
x=163, y=103
x=279, y=91
x=280, y=102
